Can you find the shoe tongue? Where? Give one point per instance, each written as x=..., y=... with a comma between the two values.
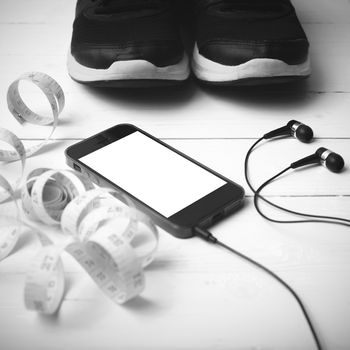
x=125, y=7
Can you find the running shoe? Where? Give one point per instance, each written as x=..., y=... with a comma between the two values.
x=249, y=42
x=127, y=43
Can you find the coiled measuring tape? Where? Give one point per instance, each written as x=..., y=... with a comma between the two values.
x=100, y=231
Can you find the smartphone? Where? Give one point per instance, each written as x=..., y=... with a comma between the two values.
x=177, y=192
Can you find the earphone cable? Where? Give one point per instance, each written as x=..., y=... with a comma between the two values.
x=322, y=218
x=209, y=237
x=258, y=195
x=246, y=161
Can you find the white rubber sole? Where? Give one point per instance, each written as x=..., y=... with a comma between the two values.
x=211, y=71
x=128, y=70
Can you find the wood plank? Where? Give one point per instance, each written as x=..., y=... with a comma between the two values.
x=36, y=12
x=165, y=317
x=227, y=157
x=290, y=249
x=322, y=11
x=197, y=296
x=199, y=282
x=187, y=113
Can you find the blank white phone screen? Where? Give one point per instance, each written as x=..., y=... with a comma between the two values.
x=159, y=177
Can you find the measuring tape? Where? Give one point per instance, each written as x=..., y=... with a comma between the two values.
x=100, y=231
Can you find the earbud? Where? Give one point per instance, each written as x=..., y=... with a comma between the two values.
x=331, y=160
x=293, y=128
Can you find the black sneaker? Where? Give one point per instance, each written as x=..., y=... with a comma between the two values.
x=126, y=42
x=249, y=42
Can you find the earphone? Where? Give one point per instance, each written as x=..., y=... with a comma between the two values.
x=331, y=160
x=293, y=128
x=323, y=156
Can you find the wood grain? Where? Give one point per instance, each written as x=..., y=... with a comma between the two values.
x=197, y=296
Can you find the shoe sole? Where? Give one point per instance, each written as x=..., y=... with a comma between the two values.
x=258, y=71
x=133, y=73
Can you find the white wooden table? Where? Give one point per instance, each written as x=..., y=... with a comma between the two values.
x=197, y=295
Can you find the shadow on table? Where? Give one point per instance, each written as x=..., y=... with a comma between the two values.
x=275, y=95
x=141, y=304
x=150, y=97
x=290, y=95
